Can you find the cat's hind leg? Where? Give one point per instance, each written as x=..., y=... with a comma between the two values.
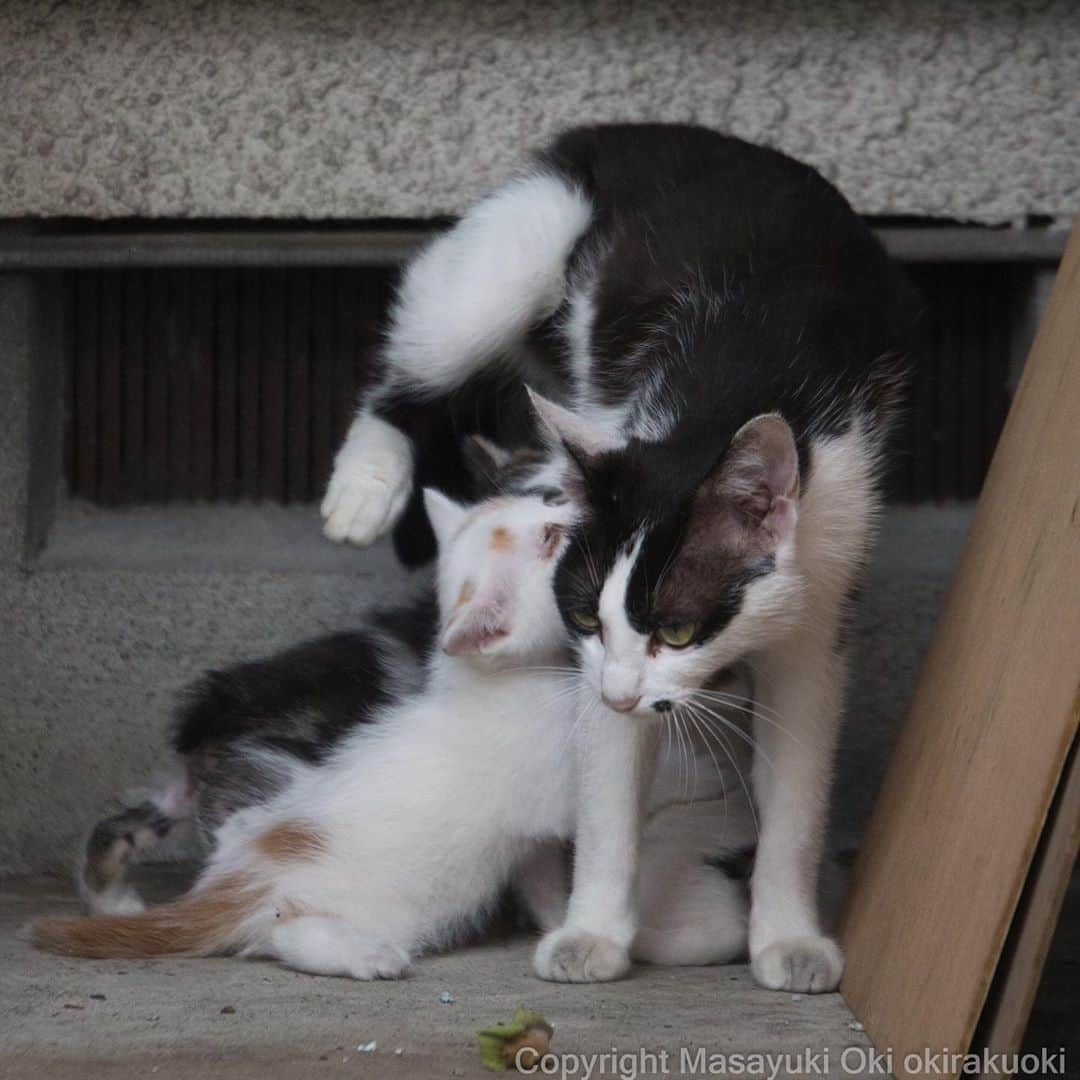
x=465, y=303
x=326, y=945
x=123, y=838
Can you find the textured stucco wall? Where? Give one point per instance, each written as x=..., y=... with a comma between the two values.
x=346, y=108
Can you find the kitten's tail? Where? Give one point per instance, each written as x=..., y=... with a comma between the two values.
x=209, y=920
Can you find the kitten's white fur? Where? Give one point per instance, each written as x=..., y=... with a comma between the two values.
x=407, y=834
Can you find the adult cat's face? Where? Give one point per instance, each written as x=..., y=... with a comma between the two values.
x=670, y=577
x=496, y=564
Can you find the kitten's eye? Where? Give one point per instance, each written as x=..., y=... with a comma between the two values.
x=678, y=637
x=585, y=620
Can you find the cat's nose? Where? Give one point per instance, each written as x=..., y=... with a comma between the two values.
x=623, y=704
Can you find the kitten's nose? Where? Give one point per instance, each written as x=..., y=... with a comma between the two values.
x=623, y=704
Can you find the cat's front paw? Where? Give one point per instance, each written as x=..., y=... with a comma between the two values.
x=370, y=485
x=572, y=955
x=804, y=965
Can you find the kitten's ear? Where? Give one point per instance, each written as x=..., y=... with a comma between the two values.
x=581, y=439
x=475, y=626
x=759, y=477
x=484, y=460
x=444, y=514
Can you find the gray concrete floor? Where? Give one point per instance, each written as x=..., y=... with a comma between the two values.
x=63, y=1018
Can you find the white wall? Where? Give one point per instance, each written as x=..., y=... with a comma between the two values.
x=346, y=108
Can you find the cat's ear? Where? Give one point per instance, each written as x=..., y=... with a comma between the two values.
x=758, y=478
x=445, y=515
x=475, y=625
x=485, y=461
x=582, y=440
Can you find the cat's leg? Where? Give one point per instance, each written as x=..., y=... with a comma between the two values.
x=541, y=887
x=326, y=945
x=118, y=841
x=799, y=690
x=615, y=768
x=465, y=303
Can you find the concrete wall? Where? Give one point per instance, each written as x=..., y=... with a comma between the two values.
x=355, y=108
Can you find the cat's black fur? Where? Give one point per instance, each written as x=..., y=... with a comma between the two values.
x=813, y=322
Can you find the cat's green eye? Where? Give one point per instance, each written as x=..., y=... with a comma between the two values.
x=585, y=620
x=678, y=637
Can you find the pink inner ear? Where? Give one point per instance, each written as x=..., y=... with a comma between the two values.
x=779, y=522
x=475, y=627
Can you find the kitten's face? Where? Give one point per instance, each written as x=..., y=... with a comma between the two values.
x=495, y=570
x=662, y=587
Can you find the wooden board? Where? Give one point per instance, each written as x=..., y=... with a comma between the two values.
x=966, y=796
x=1018, y=975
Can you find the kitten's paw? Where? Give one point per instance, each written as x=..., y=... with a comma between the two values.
x=805, y=965
x=370, y=485
x=383, y=961
x=322, y=945
x=115, y=901
x=571, y=955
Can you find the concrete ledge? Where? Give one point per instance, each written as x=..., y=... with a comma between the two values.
x=165, y=1017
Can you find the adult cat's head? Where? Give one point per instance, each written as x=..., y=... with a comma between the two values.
x=495, y=569
x=682, y=562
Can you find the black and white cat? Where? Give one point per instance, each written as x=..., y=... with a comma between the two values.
x=727, y=338
x=354, y=827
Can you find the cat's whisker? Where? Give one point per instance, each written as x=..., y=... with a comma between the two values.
x=733, y=727
x=747, y=705
x=716, y=764
x=752, y=708
x=683, y=768
x=734, y=762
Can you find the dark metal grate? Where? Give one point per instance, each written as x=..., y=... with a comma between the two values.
x=214, y=384
x=239, y=384
x=959, y=394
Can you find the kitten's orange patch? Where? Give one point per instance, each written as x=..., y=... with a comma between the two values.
x=291, y=841
x=502, y=539
x=468, y=591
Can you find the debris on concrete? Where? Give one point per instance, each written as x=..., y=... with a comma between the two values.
x=367, y=1048
x=521, y=1041
x=446, y=997
x=228, y=1010
x=856, y=1025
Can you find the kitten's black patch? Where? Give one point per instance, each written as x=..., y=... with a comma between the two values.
x=415, y=625
x=300, y=701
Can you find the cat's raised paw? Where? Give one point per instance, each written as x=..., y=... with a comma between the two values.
x=804, y=965
x=370, y=485
x=571, y=955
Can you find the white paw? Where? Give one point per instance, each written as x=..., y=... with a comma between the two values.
x=804, y=965
x=382, y=961
x=115, y=901
x=571, y=955
x=370, y=485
